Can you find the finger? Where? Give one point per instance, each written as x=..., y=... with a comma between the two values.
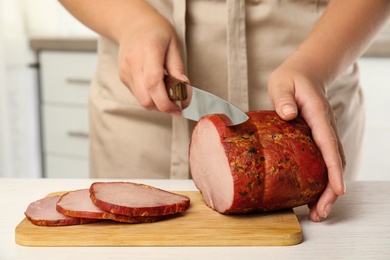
x=174, y=62
x=175, y=67
x=321, y=208
x=326, y=139
x=131, y=75
x=142, y=94
x=340, y=145
x=341, y=159
x=154, y=82
x=283, y=98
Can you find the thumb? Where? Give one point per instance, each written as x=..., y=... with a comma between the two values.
x=174, y=62
x=283, y=98
x=175, y=67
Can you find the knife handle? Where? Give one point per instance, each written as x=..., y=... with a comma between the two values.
x=176, y=89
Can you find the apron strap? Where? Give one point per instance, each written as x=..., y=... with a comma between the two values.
x=237, y=77
x=237, y=54
x=180, y=128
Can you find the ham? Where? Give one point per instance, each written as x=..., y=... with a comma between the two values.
x=265, y=164
x=118, y=201
x=43, y=213
x=79, y=204
x=133, y=199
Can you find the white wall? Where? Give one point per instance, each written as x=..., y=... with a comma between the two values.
x=19, y=131
x=375, y=80
x=49, y=18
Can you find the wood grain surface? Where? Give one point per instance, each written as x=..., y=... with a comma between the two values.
x=198, y=226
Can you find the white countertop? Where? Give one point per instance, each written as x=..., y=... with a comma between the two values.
x=357, y=228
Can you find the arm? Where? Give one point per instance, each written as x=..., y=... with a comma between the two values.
x=148, y=46
x=343, y=33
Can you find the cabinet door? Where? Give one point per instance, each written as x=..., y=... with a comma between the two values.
x=66, y=76
x=65, y=131
x=65, y=167
x=65, y=79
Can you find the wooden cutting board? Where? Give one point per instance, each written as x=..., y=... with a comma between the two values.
x=198, y=226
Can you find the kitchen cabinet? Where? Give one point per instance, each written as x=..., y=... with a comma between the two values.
x=65, y=77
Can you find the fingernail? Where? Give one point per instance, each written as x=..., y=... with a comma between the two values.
x=318, y=219
x=288, y=110
x=345, y=188
x=185, y=77
x=327, y=210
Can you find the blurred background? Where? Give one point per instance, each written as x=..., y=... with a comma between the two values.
x=43, y=94
x=21, y=103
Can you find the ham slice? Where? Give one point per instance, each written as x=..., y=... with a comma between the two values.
x=79, y=204
x=43, y=213
x=264, y=164
x=133, y=199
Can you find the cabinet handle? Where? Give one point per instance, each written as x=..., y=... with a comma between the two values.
x=81, y=134
x=78, y=81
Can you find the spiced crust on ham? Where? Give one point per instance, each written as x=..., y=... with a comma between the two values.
x=264, y=164
x=133, y=199
x=79, y=204
x=43, y=213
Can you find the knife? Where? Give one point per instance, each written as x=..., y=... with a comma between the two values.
x=201, y=102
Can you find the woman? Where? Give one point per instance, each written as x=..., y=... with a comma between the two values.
x=301, y=52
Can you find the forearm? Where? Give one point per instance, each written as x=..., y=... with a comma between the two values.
x=343, y=33
x=110, y=18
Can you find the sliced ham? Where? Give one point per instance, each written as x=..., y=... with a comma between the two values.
x=264, y=164
x=43, y=213
x=133, y=199
x=79, y=204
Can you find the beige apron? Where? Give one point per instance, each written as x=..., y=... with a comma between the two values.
x=227, y=46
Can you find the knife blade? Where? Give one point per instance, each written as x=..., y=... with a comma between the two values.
x=201, y=102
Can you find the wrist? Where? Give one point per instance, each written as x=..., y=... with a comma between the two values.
x=138, y=16
x=314, y=66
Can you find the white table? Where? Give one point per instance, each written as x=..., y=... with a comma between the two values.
x=357, y=228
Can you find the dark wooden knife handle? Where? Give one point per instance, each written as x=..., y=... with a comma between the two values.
x=176, y=89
